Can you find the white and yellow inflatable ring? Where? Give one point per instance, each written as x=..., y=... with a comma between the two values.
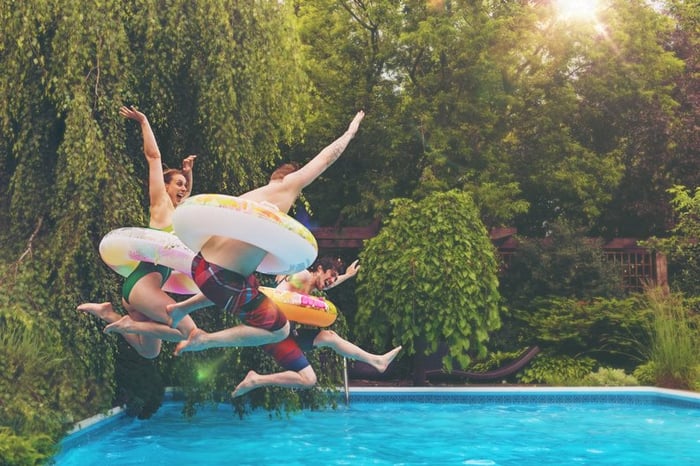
x=122, y=250
x=290, y=245
x=310, y=310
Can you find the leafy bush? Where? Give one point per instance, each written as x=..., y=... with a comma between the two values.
x=557, y=370
x=681, y=247
x=608, y=330
x=609, y=377
x=430, y=276
x=26, y=450
x=564, y=263
x=31, y=418
x=646, y=373
x=684, y=268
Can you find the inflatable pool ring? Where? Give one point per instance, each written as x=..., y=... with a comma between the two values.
x=122, y=249
x=290, y=245
x=301, y=308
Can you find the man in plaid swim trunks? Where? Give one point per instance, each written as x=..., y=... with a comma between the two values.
x=289, y=353
x=223, y=269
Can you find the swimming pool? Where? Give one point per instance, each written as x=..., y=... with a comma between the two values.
x=484, y=426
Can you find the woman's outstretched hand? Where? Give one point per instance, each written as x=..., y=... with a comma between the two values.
x=187, y=164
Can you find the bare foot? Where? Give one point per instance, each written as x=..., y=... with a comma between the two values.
x=246, y=385
x=196, y=341
x=122, y=326
x=175, y=313
x=103, y=311
x=384, y=360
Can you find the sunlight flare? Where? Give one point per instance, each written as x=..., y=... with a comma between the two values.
x=584, y=10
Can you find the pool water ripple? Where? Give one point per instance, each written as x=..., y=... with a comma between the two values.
x=403, y=433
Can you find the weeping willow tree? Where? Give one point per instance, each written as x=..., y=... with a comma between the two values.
x=207, y=73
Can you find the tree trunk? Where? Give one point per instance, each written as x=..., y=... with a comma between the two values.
x=419, y=362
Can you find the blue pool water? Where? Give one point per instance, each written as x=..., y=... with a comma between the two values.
x=397, y=428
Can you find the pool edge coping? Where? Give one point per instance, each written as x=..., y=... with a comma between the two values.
x=533, y=389
x=115, y=412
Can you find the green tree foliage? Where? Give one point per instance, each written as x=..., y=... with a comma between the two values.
x=347, y=47
x=206, y=73
x=588, y=92
x=565, y=262
x=28, y=450
x=685, y=43
x=450, y=65
x=426, y=80
x=536, y=115
x=631, y=101
x=429, y=276
x=208, y=77
x=681, y=246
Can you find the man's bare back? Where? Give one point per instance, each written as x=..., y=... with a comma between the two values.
x=243, y=257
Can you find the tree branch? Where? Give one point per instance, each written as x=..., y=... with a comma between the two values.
x=29, y=250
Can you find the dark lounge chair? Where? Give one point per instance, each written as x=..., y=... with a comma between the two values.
x=434, y=371
x=495, y=374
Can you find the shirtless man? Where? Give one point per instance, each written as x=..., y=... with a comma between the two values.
x=224, y=267
x=289, y=353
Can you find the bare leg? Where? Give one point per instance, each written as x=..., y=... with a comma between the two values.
x=305, y=378
x=178, y=311
x=147, y=308
x=330, y=339
x=127, y=325
x=103, y=311
x=241, y=335
x=147, y=347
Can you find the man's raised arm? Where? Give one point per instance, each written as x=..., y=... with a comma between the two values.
x=313, y=169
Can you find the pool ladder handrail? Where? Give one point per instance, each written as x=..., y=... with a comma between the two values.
x=345, y=380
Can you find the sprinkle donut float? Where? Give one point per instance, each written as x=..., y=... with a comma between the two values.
x=301, y=308
x=290, y=246
x=122, y=250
